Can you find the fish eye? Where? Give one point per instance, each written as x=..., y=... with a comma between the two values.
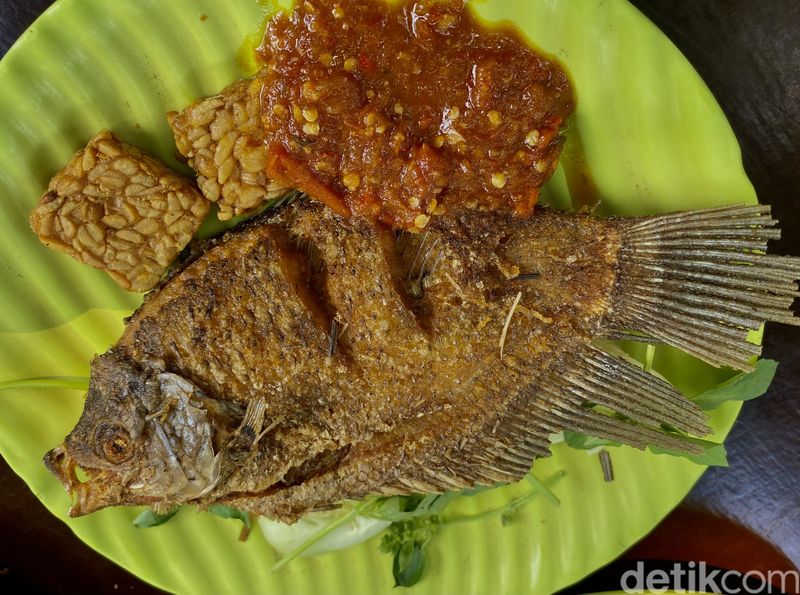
x=113, y=443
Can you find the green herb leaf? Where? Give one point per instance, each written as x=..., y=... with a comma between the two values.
x=404, y=508
x=69, y=382
x=229, y=512
x=584, y=442
x=151, y=519
x=407, y=542
x=408, y=565
x=713, y=455
x=742, y=387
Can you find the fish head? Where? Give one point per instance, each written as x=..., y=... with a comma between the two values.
x=145, y=437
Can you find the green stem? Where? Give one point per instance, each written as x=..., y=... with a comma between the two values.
x=513, y=505
x=68, y=382
x=320, y=534
x=649, y=356
x=545, y=490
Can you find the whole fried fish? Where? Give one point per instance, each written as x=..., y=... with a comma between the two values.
x=304, y=359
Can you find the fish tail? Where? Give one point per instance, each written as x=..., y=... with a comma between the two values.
x=701, y=281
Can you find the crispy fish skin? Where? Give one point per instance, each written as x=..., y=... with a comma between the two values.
x=458, y=384
x=237, y=325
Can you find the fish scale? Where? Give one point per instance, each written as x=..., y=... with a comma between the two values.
x=458, y=352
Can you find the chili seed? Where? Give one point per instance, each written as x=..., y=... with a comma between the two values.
x=533, y=138
x=499, y=180
x=310, y=114
x=351, y=181
x=311, y=128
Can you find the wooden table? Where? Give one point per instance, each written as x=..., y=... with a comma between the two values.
x=744, y=517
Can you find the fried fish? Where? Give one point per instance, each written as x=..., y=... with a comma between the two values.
x=304, y=359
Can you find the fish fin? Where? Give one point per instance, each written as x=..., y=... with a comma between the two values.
x=594, y=393
x=641, y=404
x=619, y=383
x=420, y=255
x=633, y=337
x=701, y=281
x=577, y=396
x=162, y=507
x=389, y=244
x=253, y=420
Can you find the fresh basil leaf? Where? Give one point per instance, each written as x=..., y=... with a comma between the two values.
x=419, y=522
x=407, y=542
x=387, y=508
x=395, y=508
x=584, y=442
x=409, y=564
x=403, y=508
x=713, y=455
x=151, y=519
x=409, y=503
x=742, y=387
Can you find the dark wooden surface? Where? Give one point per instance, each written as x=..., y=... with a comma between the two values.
x=746, y=516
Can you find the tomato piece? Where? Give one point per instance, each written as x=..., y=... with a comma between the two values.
x=283, y=168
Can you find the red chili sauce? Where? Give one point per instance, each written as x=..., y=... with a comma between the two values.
x=398, y=112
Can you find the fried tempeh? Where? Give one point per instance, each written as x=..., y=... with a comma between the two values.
x=222, y=138
x=119, y=210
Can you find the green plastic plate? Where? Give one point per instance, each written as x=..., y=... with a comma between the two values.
x=651, y=136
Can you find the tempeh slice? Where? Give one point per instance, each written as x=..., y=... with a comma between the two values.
x=223, y=140
x=119, y=210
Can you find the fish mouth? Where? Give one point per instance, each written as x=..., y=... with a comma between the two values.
x=91, y=495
